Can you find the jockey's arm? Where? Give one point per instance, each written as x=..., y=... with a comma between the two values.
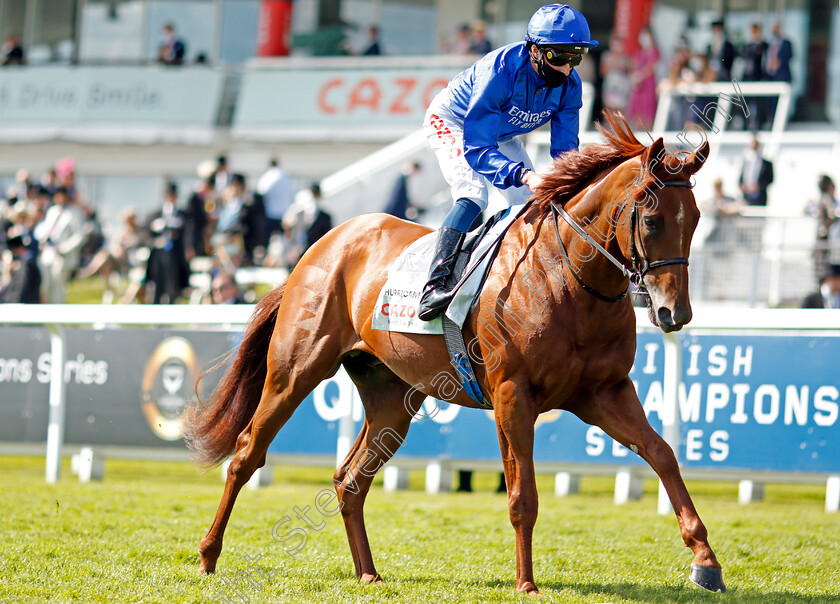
x=565, y=123
x=482, y=125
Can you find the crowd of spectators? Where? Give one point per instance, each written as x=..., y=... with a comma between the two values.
x=50, y=236
x=631, y=81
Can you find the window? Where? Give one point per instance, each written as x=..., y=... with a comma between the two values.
x=112, y=31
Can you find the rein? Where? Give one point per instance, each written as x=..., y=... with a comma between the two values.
x=640, y=266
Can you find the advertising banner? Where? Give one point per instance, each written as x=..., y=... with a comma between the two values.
x=384, y=98
x=110, y=95
x=746, y=402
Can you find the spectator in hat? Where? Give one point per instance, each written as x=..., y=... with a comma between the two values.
x=480, y=44
x=828, y=295
x=20, y=277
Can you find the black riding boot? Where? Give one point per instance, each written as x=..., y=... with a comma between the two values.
x=436, y=295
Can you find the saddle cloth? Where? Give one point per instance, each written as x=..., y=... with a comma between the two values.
x=396, y=306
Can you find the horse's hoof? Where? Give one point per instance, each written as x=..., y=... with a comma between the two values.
x=371, y=579
x=530, y=589
x=707, y=578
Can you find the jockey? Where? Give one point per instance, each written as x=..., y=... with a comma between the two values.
x=471, y=125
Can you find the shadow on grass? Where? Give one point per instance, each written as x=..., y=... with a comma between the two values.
x=667, y=594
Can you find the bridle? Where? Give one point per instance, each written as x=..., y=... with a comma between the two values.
x=639, y=264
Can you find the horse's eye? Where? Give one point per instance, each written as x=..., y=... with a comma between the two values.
x=651, y=222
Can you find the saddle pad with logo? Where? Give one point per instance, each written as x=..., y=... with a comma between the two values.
x=396, y=307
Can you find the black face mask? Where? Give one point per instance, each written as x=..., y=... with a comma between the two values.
x=551, y=77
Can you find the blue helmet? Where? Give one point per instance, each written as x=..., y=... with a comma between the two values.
x=560, y=24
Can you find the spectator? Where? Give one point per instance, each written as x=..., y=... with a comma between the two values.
x=221, y=175
x=641, y=106
x=752, y=57
x=60, y=236
x=778, y=56
x=227, y=239
x=20, y=277
x=828, y=295
x=723, y=204
x=827, y=211
x=373, y=47
x=306, y=222
x=225, y=290
x=195, y=232
x=399, y=203
x=167, y=269
x=777, y=65
x=49, y=181
x=173, y=49
x=121, y=254
x=462, y=43
x=756, y=175
x=720, y=54
x=277, y=189
x=13, y=51
x=615, y=71
x=480, y=44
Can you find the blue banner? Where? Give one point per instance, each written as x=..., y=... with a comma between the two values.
x=757, y=402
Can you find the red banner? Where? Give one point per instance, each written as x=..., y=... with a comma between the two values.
x=275, y=24
x=630, y=17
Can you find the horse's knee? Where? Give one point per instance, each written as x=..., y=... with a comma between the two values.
x=523, y=508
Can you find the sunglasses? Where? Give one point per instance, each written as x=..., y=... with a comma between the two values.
x=558, y=58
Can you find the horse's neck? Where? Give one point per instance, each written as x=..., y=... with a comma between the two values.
x=600, y=210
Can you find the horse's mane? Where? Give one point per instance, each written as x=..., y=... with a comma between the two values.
x=575, y=170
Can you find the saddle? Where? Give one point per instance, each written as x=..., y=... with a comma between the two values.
x=396, y=307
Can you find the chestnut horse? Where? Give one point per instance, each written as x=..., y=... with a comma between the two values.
x=553, y=328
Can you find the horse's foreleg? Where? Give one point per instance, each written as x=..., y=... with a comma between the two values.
x=621, y=416
x=516, y=439
x=383, y=433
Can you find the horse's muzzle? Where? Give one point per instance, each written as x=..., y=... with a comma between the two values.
x=673, y=321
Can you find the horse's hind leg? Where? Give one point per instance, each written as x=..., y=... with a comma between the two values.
x=621, y=416
x=286, y=386
x=386, y=425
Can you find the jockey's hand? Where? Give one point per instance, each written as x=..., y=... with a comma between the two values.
x=532, y=180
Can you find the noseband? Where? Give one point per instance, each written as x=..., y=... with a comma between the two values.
x=640, y=265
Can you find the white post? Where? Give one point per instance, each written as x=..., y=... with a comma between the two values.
x=566, y=483
x=749, y=491
x=261, y=478
x=347, y=423
x=58, y=399
x=91, y=465
x=832, y=494
x=628, y=486
x=438, y=477
x=671, y=420
x=395, y=478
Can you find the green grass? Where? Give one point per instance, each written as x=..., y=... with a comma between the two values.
x=133, y=538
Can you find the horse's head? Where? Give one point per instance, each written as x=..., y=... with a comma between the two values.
x=662, y=227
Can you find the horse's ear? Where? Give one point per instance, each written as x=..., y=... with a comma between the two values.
x=698, y=158
x=655, y=154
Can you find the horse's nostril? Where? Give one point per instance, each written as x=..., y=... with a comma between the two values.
x=682, y=315
x=664, y=315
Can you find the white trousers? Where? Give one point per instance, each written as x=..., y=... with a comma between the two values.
x=446, y=138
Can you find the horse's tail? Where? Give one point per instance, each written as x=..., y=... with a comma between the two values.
x=211, y=429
